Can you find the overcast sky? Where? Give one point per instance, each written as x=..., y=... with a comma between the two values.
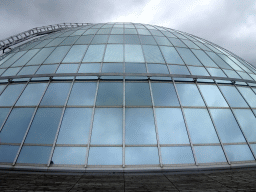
x=228, y=23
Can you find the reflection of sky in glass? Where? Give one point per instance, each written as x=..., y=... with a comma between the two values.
x=177, y=155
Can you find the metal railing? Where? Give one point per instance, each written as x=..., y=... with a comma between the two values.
x=15, y=39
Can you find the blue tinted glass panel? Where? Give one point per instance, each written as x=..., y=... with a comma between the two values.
x=94, y=53
x=130, y=31
x=157, y=68
x=34, y=154
x=11, y=94
x=67, y=68
x=209, y=154
x=189, y=95
x=75, y=126
x=56, y=94
x=177, y=42
x=230, y=62
x=110, y=94
x=105, y=156
x=188, y=57
x=212, y=96
x=8, y=153
x=135, y=68
x=69, y=40
x=232, y=74
x=131, y=39
x=247, y=121
x=3, y=114
x=164, y=94
x=11, y=71
x=177, y=155
x=171, y=55
x=139, y=126
x=57, y=55
x=28, y=70
x=69, y=155
x=205, y=59
x=216, y=72
x=116, y=39
x=75, y=54
x=55, y=42
x=25, y=58
x=89, y=68
x=143, y=32
x=16, y=125
x=84, y=39
x=253, y=146
x=12, y=59
x=32, y=94
x=114, y=53
x=43, y=43
x=117, y=31
x=190, y=44
x=99, y=39
x=249, y=95
x=176, y=69
x=238, y=153
x=147, y=40
x=201, y=45
x=153, y=54
x=171, y=126
x=47, y=69
x=44, y=126
x=198, y=71
x=137, y=94
x=218, y=60
x=82, y=94
x=107, y=126
x=227, y=126
x=233, y=96
x=141, y=155
x=163, y=41
x=200, y=126
x=6, y=58
x=133, y=53
x=244, y=75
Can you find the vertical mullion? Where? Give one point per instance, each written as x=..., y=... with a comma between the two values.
x=32, y=118
x=123, y=151
x=61, y=118
x=91, y=125
x=185, y=121
x=215, y=128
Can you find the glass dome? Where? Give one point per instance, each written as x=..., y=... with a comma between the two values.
x=125, y=96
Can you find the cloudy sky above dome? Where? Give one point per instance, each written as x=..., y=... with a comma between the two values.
x=228, y=23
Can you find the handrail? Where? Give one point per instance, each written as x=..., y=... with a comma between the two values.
x=23, y=36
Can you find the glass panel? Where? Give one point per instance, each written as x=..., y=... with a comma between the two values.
x=189, y=95
x=133, y=53
x=171, y=55
x=75, y=126
x=198, y=71
x=141, y=155
x=69, y=40
x=91, y=31
x=114, y=53
x=117, y=31
x=105, y=156
x=8, y=153
x=34, y=154
x=47, y=69
x=75, y=54
x=157, y=68
x=11, y=71
x=56, y=94
x=78, y=32
x=67, y=68
x=139, y=126
x=28, y=70
x=6, y=58
x=202, y=46
x=232, y=74
x=244, y=75
x=209, y=154
x=205, y=59
x=190, y=44
x=57, y=55
x=13, y=59
x=164, y=94
x=238, y=153
x=177, y=42
x=218, y=60
x=156, y=32
x=212, y=96
x=153, y=54
x=163, y=41
x=84, y=39
x=43, y=43
x=167, y=33
x=188, y=57
x=112, y=68
x=16, y=125
x=25, y=58
x=131, y=39
x=253, y=146
x=104, y=31
x=116, y=39
x=89, y=68
x=94, y=53
x=227, y=126
x=82, y=94
x=130, y=31
x=200, y=126
x=230, y=62
x=11, y=94
x=249, y=95
x=147, y=40
x=100, y=39
x=247, y=121
x=216, y=72
x=40, y=56
x=44, y=126
x=32, y=94
x=171, y=127
x=233, y=96
x=107, y=126
x=176, y=69
x=3, y=114
x=137, y=94
x=69, y=155
x=55, y=42
x=177, y=155
x=135, y=68
x=143, y=32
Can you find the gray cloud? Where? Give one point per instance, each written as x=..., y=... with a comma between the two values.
x=228, y=23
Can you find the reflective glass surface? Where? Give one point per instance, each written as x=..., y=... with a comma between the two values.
x=177, y=155
x=8, y=153
x=249, y=95
x=209, y=154
x=238, y=152
x=10, y=94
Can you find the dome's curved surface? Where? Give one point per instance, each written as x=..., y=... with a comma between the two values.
x=122, y=95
